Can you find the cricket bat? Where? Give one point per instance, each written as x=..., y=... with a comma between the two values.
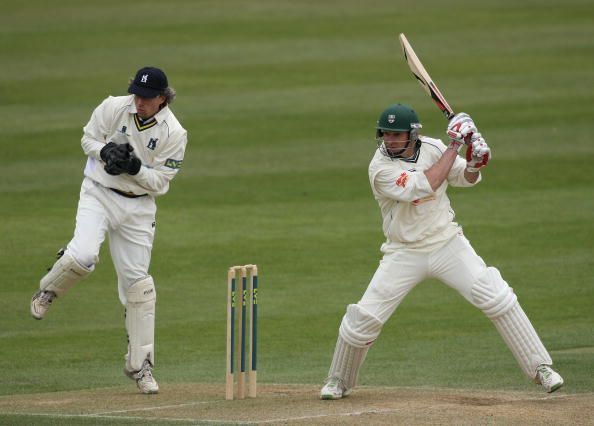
x=424, y=78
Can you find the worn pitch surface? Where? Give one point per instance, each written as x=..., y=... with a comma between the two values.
x=287, y=404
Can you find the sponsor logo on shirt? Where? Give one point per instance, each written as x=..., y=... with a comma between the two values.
x=402, y=179
x=173, y=164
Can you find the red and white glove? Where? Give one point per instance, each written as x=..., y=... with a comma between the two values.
x=461, y=127
x=478, y=153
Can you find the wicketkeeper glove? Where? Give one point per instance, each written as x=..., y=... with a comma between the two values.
x=461, y=127
x=111, y=154
x=130, y=164
x=113, y=151
x=478, y=153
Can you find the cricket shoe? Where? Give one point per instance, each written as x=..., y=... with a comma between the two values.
x=41, y=302
x=334, y=389
x=144, y=378
x=548, y=378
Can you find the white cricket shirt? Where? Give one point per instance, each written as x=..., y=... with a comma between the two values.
x=413, y=215
x=159, y=143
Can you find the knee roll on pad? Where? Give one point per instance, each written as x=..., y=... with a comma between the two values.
x=359, y=328
x=141, y=299
x=141, y=291
x=66, y=272
x=491, y=294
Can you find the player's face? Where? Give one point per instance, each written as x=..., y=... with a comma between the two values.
x=395, y=141
x=147, y=107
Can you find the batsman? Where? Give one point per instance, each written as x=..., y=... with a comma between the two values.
x=409, y=176
x=134, y=146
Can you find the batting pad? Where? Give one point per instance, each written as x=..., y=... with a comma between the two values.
x=141, y=299
x=359, y=328
x=497, y=300
x=346, y=362
x=64, y=274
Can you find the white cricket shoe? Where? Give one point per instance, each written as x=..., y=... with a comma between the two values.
x=144, y=378
x=334, y=389
x=548, y=378
x=40, y=303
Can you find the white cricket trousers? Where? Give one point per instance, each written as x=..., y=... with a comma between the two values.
x=130, y=225
x=456, y=264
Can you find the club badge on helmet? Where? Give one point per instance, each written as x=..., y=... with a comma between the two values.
x=397, y=118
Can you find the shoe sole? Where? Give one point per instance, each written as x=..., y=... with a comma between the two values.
x=34, y=314
x=556, y=387
x=329, y=397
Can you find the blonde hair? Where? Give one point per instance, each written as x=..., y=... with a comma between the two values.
x=169, y=94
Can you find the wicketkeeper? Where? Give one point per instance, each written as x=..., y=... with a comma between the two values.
x=135, y=147
x=409, y=176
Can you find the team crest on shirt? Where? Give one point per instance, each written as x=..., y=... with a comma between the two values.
x=402, y=179
x=152, y=144
x=391, y=118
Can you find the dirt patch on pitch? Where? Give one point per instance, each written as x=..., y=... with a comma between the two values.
x=295, y=404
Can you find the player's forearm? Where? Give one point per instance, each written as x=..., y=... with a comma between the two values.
x=437, y=173
x=153, y=180
x=91, y=147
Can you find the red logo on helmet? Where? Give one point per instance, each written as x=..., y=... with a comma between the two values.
x=402, y=179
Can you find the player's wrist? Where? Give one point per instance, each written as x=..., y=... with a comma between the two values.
x=455, y=145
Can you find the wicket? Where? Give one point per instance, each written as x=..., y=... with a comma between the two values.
x=249, y=297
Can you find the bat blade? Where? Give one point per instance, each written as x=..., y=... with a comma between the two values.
x=424, y=78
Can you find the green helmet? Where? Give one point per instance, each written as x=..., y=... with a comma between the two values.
x=398, y=118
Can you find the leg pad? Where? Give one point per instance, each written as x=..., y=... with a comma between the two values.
x=359, y=328
x=141, y=300
x=496, y=299
x=64, y=274
x=346, y=363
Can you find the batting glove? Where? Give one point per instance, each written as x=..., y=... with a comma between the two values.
x=461, y=127
x=478, y=153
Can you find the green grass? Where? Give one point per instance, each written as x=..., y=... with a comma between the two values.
x=280, y=100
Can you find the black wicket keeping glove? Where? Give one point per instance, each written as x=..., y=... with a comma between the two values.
x=113, y=151
x=131, y=164
x=115, y=155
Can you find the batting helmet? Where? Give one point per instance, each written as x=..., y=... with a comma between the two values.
x=397, y=118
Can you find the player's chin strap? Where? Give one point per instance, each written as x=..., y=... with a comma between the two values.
x=398, y=155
